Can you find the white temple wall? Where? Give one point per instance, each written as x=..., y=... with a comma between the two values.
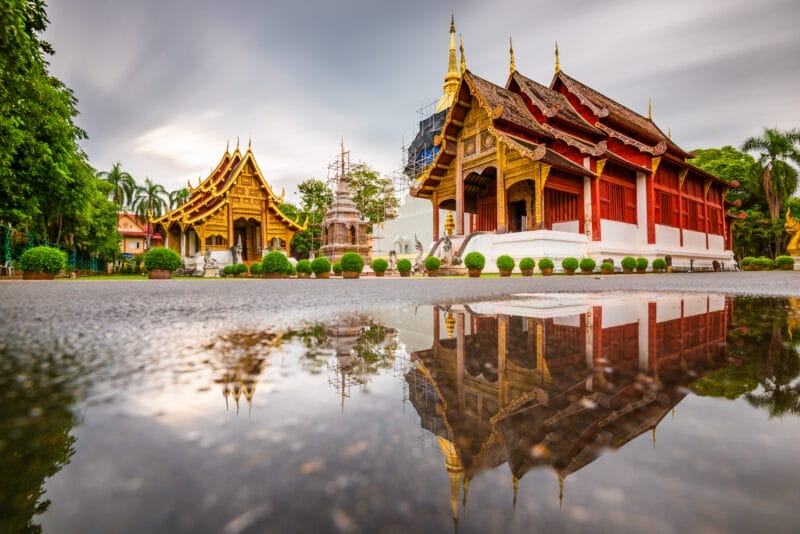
x=668, y=236
x=694, y=240
x=619, y=232
x=695, y=305
x=716, y=242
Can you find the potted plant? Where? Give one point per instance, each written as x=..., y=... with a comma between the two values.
x=379, y=265
x=474, y=262
x=641, y=265
x=227, y=270
x=274, y=264
x=784, y=263
x=587, y=265
x=42, y=263
x=256, y=269
x=763, y=263
x=526, y=266
x=352, y=265
x=404, y=267
x=337, y=268
x=432, y=264
x=303, y=269
x=160, y=262
x=288, y=269
x=569, y=265
x=505, y=264
x=628, y=264
x=546, y=266
x=321, y=267
x=607, y=267
x=659, y=265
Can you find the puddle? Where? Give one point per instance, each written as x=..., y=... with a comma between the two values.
x=573, y=412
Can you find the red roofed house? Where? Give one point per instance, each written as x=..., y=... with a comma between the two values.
x=134, y=234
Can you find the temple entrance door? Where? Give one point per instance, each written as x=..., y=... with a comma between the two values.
x=249, y=232
x=517, y=216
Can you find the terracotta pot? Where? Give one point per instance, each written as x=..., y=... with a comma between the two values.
x=379, y=273
x=569, y=272
x=547, y=271
x=627, y=271
x=474, y=273
x=756, y=267
x=607, y=271
x=529, y=272
x=349, y=275
x=587, y=271
x=786, y=267
x=505, y=272
x=323, y=275
x=641, y=271
x=435, y=272
x=158, y=274
x=272, y=276
x=405, y=273
x=303, y=275
x=32, y=275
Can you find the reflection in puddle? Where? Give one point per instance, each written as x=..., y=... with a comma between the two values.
x=507, y=407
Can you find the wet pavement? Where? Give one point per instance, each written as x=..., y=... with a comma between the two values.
x=623, y=403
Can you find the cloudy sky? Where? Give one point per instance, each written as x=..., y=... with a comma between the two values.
x=164, y=84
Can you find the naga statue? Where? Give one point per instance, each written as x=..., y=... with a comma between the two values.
x=792, y=226
x=419, y=267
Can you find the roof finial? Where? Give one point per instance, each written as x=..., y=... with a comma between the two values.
x=452, y=78
x=249, y=141
x=654, y=437
x=463, y=57
x=669, y=132
x=515, y=482
x=560, y=491
x=227, y=146
x=558, y=63
x=512, y=67
x=237, y=142
x=650, y=109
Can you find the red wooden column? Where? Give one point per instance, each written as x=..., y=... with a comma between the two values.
x=651, y=200
x=435, y=201
x=502, y=224
x=459, y=189
x=595, y=199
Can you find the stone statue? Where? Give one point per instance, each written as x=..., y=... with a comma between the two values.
x=792, y=226
x=402, y=243
x=448, y=258
x=199, y=265
x=419, y=266
x=208, y=260
x=392, y=260
x=236, y=252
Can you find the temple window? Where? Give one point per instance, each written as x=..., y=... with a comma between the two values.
x=352, y=236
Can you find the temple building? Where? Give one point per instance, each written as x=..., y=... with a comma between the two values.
x=232, y=215
x=549, y=383
x=562, y=170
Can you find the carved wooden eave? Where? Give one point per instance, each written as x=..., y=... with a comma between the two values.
x=656, y=150
x=599, y=112
x=597, y=149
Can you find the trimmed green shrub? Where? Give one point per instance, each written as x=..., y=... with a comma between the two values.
x=628, y=263
x=404, y=266
x=274, y=262
x=764, y=262
x=641, y=264
x=527, y=263
x=505, y=263
x=239, y=268
x=321, y=265
x=606, y=266
x=432, y=263
x=475, y=260
x=227, y=270
x=544, y=263
x=587, y=264
x=569, y=264
x=256, y=268
x=747, y=261
x=303, y=266
x=288, y=269
x=162, y=258
x=784, y=260
x=379, y=265
x=44, y=260
x=659, y=264
x=352, y=262
x=337, y=267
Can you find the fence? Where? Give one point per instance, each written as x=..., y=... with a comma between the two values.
x=13, y=243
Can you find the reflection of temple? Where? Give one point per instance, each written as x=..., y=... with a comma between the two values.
x=542, y=382
x=233, y=207
x=244, y=357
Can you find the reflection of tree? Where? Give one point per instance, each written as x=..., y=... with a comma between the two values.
x=317, y=348
x=375, y=348
x=35, y=443
x=761, y=339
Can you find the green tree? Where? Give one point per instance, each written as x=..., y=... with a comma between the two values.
x=178, y=197
x=776, y=149
x=315, y=198
x=123, y=185
x=372, y=194
x=150, y=202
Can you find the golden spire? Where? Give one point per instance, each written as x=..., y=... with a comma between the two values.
x=516, y=490
x=669, y=132
x=512, y=67
x=237, y=143
x=650, y=109
x=466, y=489
x=463, y=58
x=227, y=146
x=654, y=437
x=452, y=78
x=560, y=491
x=249, y=141
x=558, y=63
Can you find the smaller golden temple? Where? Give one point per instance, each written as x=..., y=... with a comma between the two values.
x=232, y=215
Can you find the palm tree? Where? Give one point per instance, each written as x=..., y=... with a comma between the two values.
x=779, y=179
x=150, y=202
x=178, y=197
x=123, y=184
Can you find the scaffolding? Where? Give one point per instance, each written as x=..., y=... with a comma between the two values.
x=419, y=153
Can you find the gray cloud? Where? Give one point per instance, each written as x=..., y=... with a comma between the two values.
x=163, y=84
